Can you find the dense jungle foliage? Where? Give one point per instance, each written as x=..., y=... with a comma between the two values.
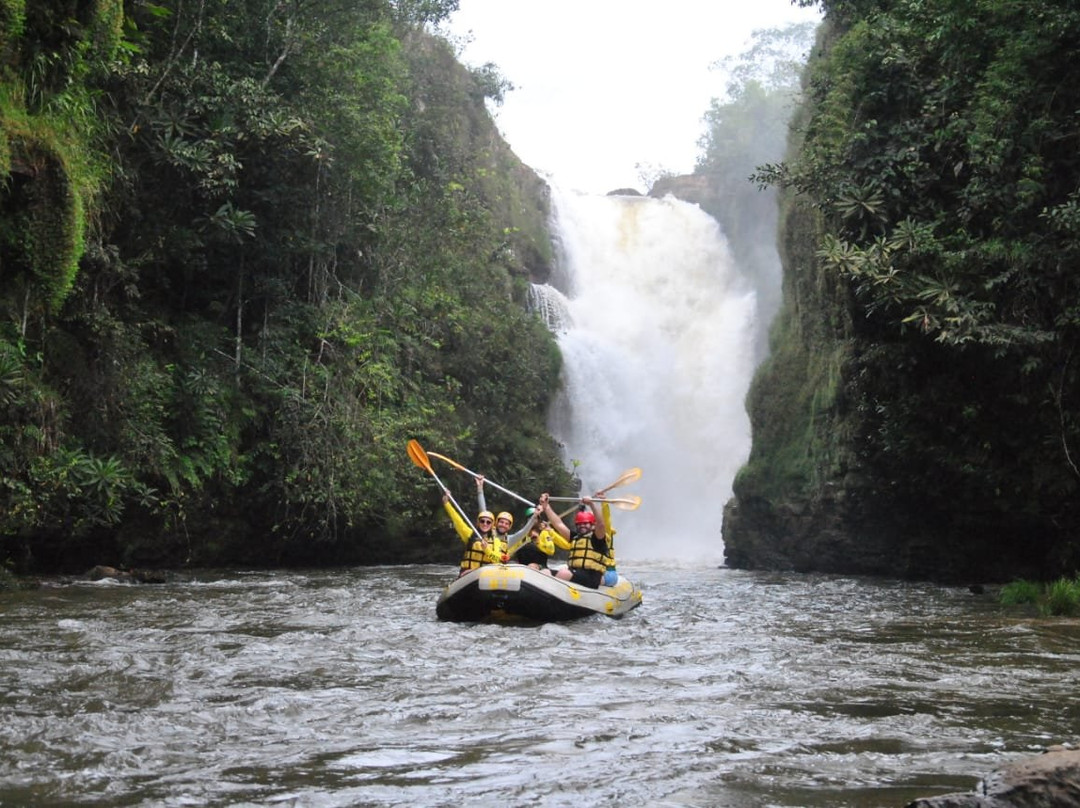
x=924, y=387
x=247, y=251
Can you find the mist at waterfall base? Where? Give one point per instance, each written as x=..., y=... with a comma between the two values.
x=657, y=330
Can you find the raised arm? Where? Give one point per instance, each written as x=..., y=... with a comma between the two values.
x=553, y=518
x=518, y=534
x=460, y=525
x=557, y=539
x=600, y=531
x=481, y=502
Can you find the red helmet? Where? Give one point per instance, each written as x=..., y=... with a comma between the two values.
x=585, y=518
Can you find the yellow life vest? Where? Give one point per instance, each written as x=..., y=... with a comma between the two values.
x=474, y=557
x=496, y=550
x=585, y=555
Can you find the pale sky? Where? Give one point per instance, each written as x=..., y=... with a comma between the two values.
x=603, y=85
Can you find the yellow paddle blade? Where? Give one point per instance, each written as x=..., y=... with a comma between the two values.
x=418, y=456
x=446, y=459
x=630, y=503
x=627, y=477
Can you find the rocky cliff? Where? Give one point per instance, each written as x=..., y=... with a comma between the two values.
x=915, y=416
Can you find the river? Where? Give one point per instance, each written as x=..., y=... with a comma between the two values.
x=340, y=688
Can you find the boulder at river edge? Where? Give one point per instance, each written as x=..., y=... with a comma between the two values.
x=102, y=572
x=1051, y=780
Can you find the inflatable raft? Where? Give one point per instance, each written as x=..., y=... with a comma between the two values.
x=514, y=593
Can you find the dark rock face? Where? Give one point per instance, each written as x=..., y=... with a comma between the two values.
x=827, y=488
x=760, y=534
x=866, y=423
x=102, y=572
x=698, y=189
x=848, y=531
x=1051, y=780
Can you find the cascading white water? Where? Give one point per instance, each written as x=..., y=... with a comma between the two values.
x=657, y=332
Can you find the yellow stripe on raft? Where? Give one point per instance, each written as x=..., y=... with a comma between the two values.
x=494, y=578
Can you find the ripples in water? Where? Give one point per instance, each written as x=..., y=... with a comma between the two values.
x=341, y=689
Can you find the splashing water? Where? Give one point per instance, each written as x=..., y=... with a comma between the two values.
x=657, y=335
x=339, y=688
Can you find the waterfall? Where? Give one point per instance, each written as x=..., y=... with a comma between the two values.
x=657, y=331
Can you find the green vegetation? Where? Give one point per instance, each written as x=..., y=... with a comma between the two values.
x=248, y=251
x=1057, y=598
x=748, y=127
x=1020, y=592
x=1062, y=597
x=923, y=376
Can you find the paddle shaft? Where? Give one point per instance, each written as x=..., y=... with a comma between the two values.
x=420, y=458
x=460, y=467
x=622, y=503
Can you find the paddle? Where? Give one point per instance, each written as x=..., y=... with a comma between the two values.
x=630, y=503
x=418, y=456
x=460, y=467
x=627, y=504
x=628, y=476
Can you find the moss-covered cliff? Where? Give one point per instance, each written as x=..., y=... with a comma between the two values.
x=917, y=416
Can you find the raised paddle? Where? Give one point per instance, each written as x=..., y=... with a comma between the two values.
x=460, y=467
x=628, y=503
x=418, y=456
x=627, y=477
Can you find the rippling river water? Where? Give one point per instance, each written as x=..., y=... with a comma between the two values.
x=341, y=689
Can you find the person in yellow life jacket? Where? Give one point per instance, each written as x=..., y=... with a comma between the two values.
x=495, y=551
x=503, y=522
x=494, y=546
x=502, y=538
x=479, y=549
x=611, y=574
x=589, y=544
x=535, y=548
